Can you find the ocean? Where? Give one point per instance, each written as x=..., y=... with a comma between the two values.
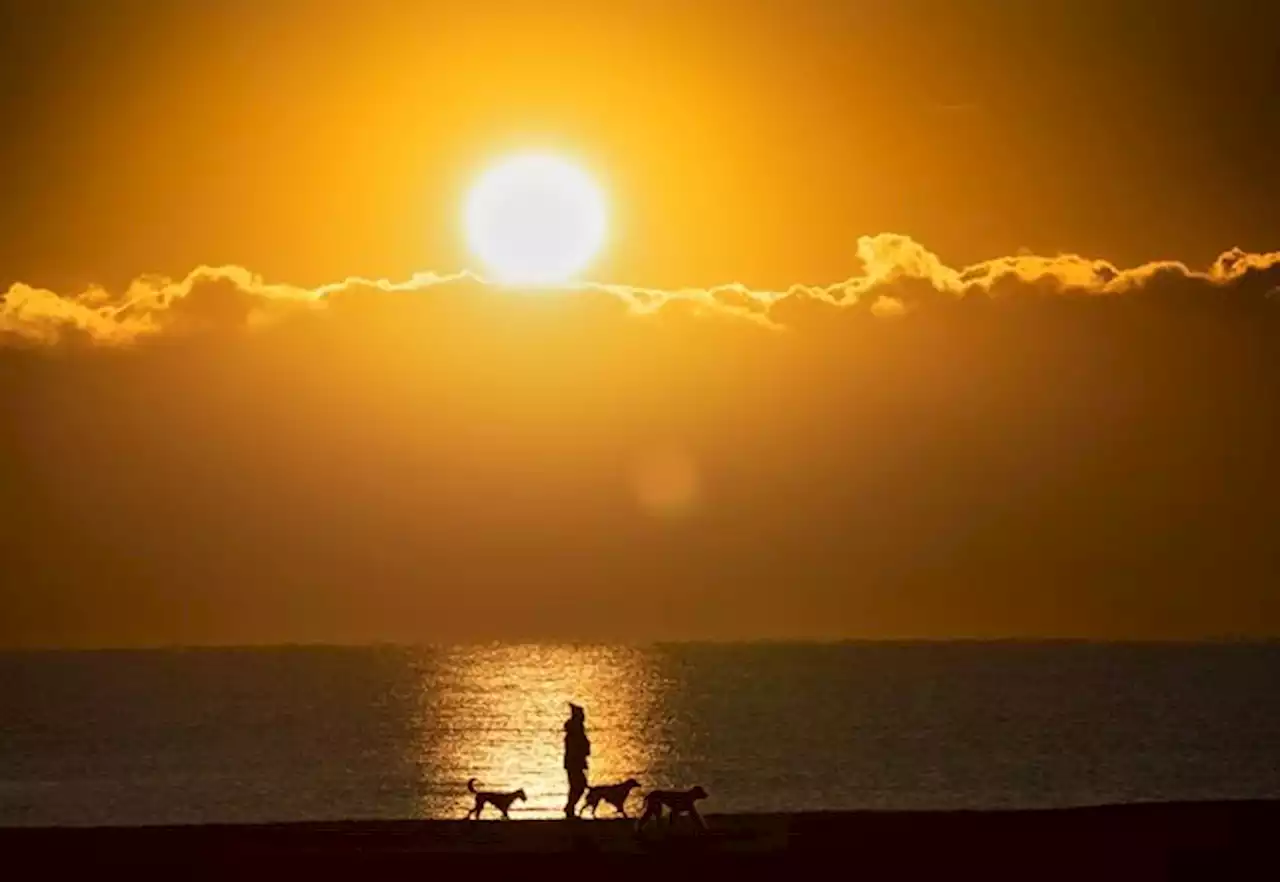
x=326, y=733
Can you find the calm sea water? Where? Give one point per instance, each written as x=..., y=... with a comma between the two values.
x=327, y=733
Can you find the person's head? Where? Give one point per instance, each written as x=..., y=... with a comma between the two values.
x=576, y=712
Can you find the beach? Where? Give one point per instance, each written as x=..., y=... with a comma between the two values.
x=1209, y=840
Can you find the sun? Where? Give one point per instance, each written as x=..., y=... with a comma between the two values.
x=535, y=220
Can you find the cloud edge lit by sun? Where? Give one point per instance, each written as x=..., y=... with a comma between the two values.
x=899, y=277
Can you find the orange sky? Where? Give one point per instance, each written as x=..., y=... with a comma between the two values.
x=748, y=142
x=1002, y=361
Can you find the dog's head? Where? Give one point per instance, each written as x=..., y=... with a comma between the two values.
x=519, y=794
x=630, y=784
x=697, y=793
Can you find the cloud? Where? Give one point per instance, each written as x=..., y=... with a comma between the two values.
x=898, y=277
x=1029, y=445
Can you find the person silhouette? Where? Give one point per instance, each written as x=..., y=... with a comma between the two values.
x=576, y=750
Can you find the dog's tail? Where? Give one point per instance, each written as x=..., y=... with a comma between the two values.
x=471, y=785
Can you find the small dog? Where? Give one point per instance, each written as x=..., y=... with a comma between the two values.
x=614, y=794
x=501, y=801
x=680, y=802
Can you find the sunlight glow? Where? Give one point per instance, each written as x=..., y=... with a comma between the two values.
x=535, y=220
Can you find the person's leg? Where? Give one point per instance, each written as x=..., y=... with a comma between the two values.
x=577, y=787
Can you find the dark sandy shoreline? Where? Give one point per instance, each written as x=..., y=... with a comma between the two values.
x=1211, y=840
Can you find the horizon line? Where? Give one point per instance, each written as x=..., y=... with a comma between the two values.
x=1226, y=640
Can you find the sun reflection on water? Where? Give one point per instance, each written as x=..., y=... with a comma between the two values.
x=496, y=713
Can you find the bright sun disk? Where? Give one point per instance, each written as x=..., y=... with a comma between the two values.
x=535, y=220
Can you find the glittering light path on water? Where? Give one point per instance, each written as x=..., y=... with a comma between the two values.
x=499, y=719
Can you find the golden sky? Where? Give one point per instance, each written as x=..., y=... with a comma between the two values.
x=914, y=319
x=741, y=141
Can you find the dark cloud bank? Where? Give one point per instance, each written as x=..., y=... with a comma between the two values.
x=1026, y=447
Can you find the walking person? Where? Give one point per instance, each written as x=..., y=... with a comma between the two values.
x=576, y=750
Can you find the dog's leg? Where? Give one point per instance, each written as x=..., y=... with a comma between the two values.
x=697, y=818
